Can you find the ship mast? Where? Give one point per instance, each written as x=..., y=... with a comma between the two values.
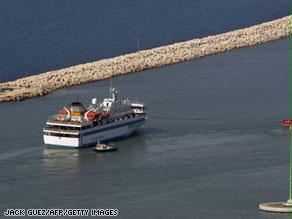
x=111, y=86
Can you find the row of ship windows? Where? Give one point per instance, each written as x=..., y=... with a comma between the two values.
x=72, y=136
x=102, y=122
x=97, y=138
x=63, y=128
x=61, y=135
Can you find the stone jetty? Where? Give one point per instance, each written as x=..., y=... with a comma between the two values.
x=39, y=85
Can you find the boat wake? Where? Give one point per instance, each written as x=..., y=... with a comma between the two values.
x=19, y=152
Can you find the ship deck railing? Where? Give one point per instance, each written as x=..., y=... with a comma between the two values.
x=73, y=120
x=63, y=129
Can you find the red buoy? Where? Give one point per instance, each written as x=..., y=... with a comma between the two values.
x=286, y=122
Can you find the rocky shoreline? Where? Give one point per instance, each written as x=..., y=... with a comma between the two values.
x=39, y=85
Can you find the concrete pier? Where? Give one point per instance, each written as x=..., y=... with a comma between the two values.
x=280, y=207
x=45, y=83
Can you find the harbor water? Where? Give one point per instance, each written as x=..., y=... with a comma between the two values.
x=212, y=147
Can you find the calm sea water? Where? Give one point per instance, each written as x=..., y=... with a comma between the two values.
x=38, y=36
x=213, y=146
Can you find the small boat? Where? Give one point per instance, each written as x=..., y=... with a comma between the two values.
x=104, y=148
x=286, y=122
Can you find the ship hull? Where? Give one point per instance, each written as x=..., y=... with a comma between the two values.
x=102, y=134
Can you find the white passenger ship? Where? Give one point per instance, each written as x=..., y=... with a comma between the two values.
x=76, y=126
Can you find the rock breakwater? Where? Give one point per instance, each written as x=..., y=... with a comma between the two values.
x=39, y=85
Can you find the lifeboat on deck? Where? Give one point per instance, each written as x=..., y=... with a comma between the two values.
x=63, y=114
x=286, y=122
x=92, y=115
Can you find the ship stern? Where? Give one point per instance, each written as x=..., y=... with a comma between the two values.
x=68, y=142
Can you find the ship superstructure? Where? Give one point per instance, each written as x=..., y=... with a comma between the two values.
x=76, y=126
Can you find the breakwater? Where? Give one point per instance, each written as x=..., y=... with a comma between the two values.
x=45, y=83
